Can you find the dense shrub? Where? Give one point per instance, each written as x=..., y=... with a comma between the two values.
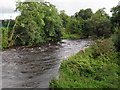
x=116, y=40
x=115, y=20
x=4, y=37
x=103, y=47
x=38, y=23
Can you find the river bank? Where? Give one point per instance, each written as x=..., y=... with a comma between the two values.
x=34, y=67
x=95, y=67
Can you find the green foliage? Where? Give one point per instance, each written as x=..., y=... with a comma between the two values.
x=83, y=14
x=70, y=26
x=39, y=22
x=4, y=37
x=84, y=71
x=85, y=28
x=116, y=39
x=73, y=27
x=99, y=24
x=53, y=23
x=115, y=19
x=65, y=18
x=103, y=47
x=71, y=36
x=86, y=24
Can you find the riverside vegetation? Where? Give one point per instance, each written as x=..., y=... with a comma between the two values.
x=40, y=22
x=97, y=67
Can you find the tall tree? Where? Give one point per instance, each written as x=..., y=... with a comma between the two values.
x=99, y=24
x=115, y=15
x=115, y=19
x=83, y=14
x=65, y=18
x=53, y=23
x=39, y=22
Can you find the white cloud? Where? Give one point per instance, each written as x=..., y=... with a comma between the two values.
x=7, y=7
x=72, y=6
x=9, y=15
x=119, y=3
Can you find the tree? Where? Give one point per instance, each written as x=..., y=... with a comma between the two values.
x=27, y=28
x=115, y=15
x=99, y=24
x=116, y=40
x=53, y=23
x=82, y=17
x=115, y=19
x=65, y=18
x=73, y=26
x=83, y=14
x=39, y=22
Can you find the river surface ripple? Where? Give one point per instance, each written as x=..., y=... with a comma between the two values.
x=34, y=67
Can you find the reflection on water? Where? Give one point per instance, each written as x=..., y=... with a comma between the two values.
x=34, y=67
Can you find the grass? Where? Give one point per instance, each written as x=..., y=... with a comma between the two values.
x=84, y=71
x=71, y=36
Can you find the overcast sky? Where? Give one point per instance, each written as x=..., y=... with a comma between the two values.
x=7, y=7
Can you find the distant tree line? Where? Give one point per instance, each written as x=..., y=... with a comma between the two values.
x=40, y=22
x=86, y=24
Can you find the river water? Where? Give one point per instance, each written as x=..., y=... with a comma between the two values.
x=34, y=67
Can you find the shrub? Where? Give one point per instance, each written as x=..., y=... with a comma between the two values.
x=89, y=70
x=103, y=48
x=116, y=40
x=4, y=37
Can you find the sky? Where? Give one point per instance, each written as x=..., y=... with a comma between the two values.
x=7, y=7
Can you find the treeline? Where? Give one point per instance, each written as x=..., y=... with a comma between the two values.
x=87, y=24
x=40, y=22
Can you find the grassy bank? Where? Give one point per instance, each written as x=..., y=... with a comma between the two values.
x=96, y=67
x=71, y=36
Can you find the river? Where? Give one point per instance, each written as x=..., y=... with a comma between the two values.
x=34, y=67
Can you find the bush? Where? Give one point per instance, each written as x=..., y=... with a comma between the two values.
x=4, y=37
x=103, y=47
x=116, y=40
x=37, y=25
